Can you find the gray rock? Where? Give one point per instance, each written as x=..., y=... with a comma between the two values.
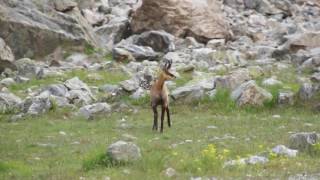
x=113, y=32
x=6, y=56
x=80, y=97
x=250, y=93
x=37, y=105
x=159, y=41
x=139, y=93
x=31, y=19
x=90, y=111
x=7, y=82
x=252, y=160
x=306, y=91
x=203, y=54
x=109, y=88
x=122, y=151
x=316, y=77
x=56, y=90
x=129, y=85
x=303, y=141
x=93, y=18
x=170, y=172
x=216, y=43
x=305, y=40
x=261, y=6
x=60, y=101
x=233, y=79
x=284, y=151
x=76, y=84
x=27, y=68
x=178, y=57
x=8, y=102
x=64, y=5
x=286, y=98
x=271, y=82
x=139, y=53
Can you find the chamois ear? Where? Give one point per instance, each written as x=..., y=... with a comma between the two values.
x=169, y=64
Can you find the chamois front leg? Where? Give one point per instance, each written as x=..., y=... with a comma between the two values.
x=162, y=118
x=155, y=118
x=168, y=116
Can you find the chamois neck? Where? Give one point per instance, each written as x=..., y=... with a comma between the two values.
x=160, y=82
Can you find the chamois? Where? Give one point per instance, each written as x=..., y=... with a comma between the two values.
x=159, y=95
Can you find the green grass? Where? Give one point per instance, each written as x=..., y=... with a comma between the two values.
x=35, y=149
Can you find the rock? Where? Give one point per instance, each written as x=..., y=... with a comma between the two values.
x=261, y=6
x=90, y=111
x=80, y=97
x=122, y=151
x=177, y=57
x=109, y=88
x=129, y=85
x=284, y=151
x=42, y=22
x=252, y=160
x=250, y=93
x=8, y=102
x=305, y=40
x=316, y=77
x=6, y=57
x=76, y=84
x=203, y=54
x=27, y=68
x=255, y=71
x=216, y=43
x=56, y=90
x=303, y=141
x=233, y=79
x=159, y=41
x=60, y=101
x=139, y=93
x=7, y=82
x=256, y=160
x=113, y=32
x=170, y=172
x=271, y=82
x=64, y=5
x=94, y=18
x=204, y=23
x=286, y=98
x=306, y=91
x=78, y=59
x=134, y=52
x=37, y=105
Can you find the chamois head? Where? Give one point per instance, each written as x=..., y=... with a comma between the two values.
x=165, y=70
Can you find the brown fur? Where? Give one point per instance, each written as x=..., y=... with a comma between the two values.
x=160, y=96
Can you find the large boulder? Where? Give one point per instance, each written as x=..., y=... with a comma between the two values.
x=122, y=151
x=6, y=56
x=201, y=19
x=37, y=105
x=8, y=102
x=234, y=79
x=90, y=111
x=35, y=29
x=250, y=93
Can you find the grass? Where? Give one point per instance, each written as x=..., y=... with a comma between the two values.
x=35, y=148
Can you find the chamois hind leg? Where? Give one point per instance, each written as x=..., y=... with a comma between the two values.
x=155, y=118
x=162, y=118
x=168, y=116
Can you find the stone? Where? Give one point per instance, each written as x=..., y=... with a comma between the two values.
x=76, y=84
x=305, y=40
x=159, y=41
x=204, y=23
x=64, y=5
x=27, y=68
x=303, y=141
x=6, y=57
x=284, y=151
x=306, y=91
x=39, y=20
x=139, y=93
x=252, y=160
x=271, y=82
x=90, y=111
x=233, y=79
x=315, y=77
x=250, y=93
x=9, y=102
x=37, y=105
x=170, y=172
x=203, y=54
x=134, y=52
x=113, y=32
x=80, y=97
x=261, y=6
x=56, y=90
x=7, y=82
x=122, y=151
x=129, y=85
x=94, y=18
x=286, y=98
x=216, y=43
